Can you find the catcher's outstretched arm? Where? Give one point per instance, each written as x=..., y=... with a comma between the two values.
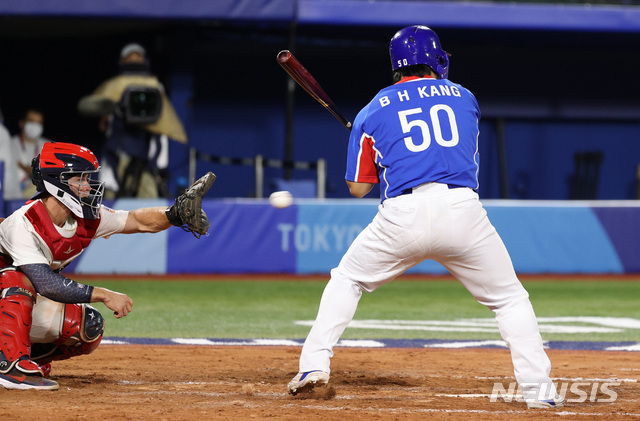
x=187, y=212
x=146, y=220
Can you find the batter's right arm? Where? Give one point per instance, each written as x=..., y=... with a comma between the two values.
x=359, y=189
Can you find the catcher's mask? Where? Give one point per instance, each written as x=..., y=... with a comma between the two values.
x=65, y=171
x=418, y=44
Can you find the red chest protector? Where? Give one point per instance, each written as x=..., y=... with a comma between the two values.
x=63, y=249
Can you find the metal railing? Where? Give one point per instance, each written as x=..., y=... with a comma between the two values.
x=259, y=163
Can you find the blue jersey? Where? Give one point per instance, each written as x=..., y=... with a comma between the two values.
x=417, y=131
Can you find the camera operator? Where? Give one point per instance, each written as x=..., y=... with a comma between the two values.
x=138, y=120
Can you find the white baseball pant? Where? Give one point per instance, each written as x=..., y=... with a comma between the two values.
x=451, y=227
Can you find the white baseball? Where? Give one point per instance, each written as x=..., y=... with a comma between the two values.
x=281, y=199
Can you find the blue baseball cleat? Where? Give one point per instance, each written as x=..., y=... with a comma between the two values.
x=305, y=382
x=557, y=402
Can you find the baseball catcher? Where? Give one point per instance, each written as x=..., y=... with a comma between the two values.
x=46, y=316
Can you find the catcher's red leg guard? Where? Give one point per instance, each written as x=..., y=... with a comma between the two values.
x=17, y=297
x=82, y=330
x=17, y=371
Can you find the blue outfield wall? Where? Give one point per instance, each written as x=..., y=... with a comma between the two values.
x=250, y=236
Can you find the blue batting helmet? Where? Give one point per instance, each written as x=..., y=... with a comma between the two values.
x=418, y=44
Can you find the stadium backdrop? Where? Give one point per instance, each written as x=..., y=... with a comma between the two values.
x=250, y=236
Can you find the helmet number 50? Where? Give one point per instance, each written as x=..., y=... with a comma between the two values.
x=424, y=127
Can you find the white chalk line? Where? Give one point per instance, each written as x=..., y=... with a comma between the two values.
x=579, y=324
x=595, y=379
x=567, y=379
x=469, y=411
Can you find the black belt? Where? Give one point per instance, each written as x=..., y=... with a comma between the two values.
x=451, y=186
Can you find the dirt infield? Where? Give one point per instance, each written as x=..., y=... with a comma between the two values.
x=178, y=382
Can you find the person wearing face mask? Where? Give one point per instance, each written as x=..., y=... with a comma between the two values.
x=24, y=146
x=5, y=153
x=137, y=118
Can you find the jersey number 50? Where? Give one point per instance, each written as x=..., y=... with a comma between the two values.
x=424, y=128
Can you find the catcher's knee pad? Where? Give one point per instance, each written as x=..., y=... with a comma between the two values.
x=17, y=296
x=80, y=331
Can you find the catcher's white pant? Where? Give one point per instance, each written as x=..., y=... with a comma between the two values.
x=451, y=227
x=48, y=320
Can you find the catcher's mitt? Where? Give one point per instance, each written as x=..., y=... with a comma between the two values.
x=187, y=212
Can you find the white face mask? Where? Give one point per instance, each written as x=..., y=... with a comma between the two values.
x=33, y=130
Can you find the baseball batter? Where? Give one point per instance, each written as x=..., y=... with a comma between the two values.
x=418, y=139
x=44, y=315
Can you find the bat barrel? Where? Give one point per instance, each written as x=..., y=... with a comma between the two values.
x=284, y=56
x=302, y=76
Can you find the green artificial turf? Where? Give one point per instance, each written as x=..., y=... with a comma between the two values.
x=252, y=308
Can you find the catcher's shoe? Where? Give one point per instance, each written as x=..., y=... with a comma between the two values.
x=557, y=402
x=24, y=374
x=305, y=382
x=46, y=369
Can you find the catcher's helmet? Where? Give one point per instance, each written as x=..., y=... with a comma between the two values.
x=59, y=162
x=418, y=45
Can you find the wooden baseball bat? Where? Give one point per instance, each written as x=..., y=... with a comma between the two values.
x=302, y=76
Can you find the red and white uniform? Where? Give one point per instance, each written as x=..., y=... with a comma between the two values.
x=29, y=236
